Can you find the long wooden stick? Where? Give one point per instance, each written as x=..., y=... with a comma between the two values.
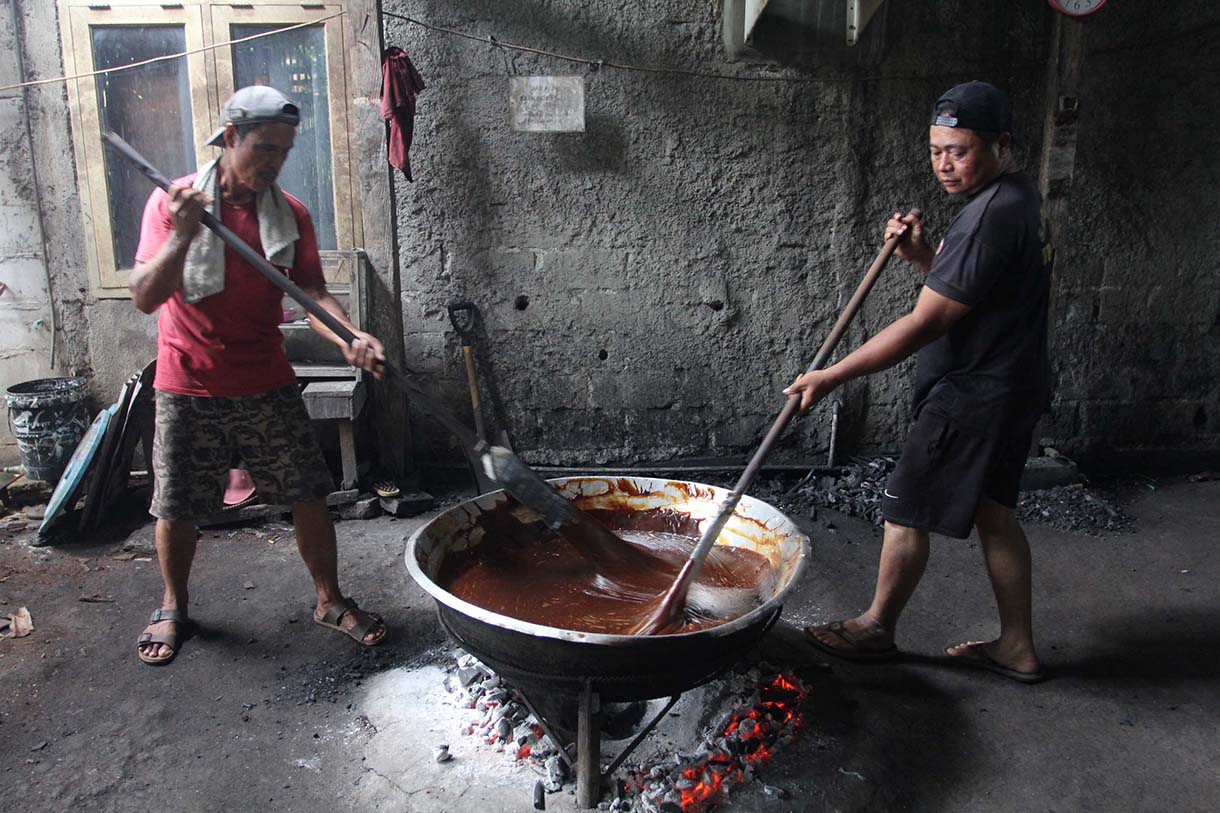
x=669, y=611
x=594, y=540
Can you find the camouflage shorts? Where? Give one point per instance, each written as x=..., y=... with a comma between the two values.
x=199, y=439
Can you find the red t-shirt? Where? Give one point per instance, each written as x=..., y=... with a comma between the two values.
x=228, y=343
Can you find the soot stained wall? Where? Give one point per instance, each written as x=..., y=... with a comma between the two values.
x=684, y=257
x=1138, y=301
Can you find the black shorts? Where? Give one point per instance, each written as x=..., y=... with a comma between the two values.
x=946, y=469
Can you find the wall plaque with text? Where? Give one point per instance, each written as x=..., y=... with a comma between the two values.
x=547, y=104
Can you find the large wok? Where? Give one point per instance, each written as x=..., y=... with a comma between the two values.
x=619, y=668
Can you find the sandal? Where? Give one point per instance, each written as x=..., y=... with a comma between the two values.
x=386, y=488
x=173, y=640
x=334, y=614
x=851, y=649
x=977, y=658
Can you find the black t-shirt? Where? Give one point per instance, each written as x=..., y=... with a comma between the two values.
x=991, y=371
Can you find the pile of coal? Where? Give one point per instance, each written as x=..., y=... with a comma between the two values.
x=1074, y=508
x=856, y=490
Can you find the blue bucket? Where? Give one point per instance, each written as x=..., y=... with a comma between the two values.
x=48, y=417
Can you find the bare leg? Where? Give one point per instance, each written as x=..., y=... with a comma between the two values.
x=175, y=541
x=316, y=542
x=904, y=556
x=1006, y=552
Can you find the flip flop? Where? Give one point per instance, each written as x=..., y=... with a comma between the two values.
x=852, y=651
x=173, y=640
x=979, y=659
x=240, y=489
x=386, y=488
x=334, y=614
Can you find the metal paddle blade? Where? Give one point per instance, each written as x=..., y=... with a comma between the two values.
x=601, y=546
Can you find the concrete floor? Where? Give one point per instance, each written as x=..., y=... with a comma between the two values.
x=265, y=710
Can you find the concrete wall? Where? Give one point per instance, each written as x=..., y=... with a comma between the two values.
x=25, y=307
x=106, y=340
x=683, y=258
x=1138, y=303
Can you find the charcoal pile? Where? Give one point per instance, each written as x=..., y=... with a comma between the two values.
x=764, y=712
x=1073, y=508
x=855, y=491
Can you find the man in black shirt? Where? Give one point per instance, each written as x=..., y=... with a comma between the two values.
x=983, y=379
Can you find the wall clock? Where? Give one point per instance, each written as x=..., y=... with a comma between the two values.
x=1076, y=8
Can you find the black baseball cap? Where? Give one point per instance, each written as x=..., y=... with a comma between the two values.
x=256, y=104
x=974, y=106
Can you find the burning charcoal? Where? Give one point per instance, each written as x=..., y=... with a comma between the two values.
x=504, y=729
x=539, y=796
x=441, y=753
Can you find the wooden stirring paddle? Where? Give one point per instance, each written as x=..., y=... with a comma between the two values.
x=668, y=613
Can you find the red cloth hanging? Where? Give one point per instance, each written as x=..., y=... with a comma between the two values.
x=400, y=83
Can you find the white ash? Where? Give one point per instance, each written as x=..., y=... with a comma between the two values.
x=732, y=731
x=498, y=717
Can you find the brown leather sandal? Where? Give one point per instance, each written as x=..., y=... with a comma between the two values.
x=173, y=640
x=334, y=614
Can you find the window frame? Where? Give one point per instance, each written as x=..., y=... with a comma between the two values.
x=210, y=74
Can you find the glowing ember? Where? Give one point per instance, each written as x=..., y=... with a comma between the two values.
x=750, y=735
x=767, y=716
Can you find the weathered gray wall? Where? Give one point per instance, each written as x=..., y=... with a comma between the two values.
x=764, y=199
x=104, y=339
x=25, y=307
x=1138, y=305
x=684, y=257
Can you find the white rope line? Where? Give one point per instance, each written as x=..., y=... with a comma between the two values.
x=171, y=56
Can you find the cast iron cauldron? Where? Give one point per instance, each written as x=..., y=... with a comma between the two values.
x=620, y=668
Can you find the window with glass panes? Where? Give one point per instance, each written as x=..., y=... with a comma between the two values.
x=166, y=109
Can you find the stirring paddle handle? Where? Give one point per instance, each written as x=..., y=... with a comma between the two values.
x=669, y=611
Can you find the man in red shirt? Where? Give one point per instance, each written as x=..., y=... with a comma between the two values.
x=225, y=388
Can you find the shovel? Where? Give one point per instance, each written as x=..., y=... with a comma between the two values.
x=464, y=328
x=463, y=316
x=669, y=612
x=595, y=541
